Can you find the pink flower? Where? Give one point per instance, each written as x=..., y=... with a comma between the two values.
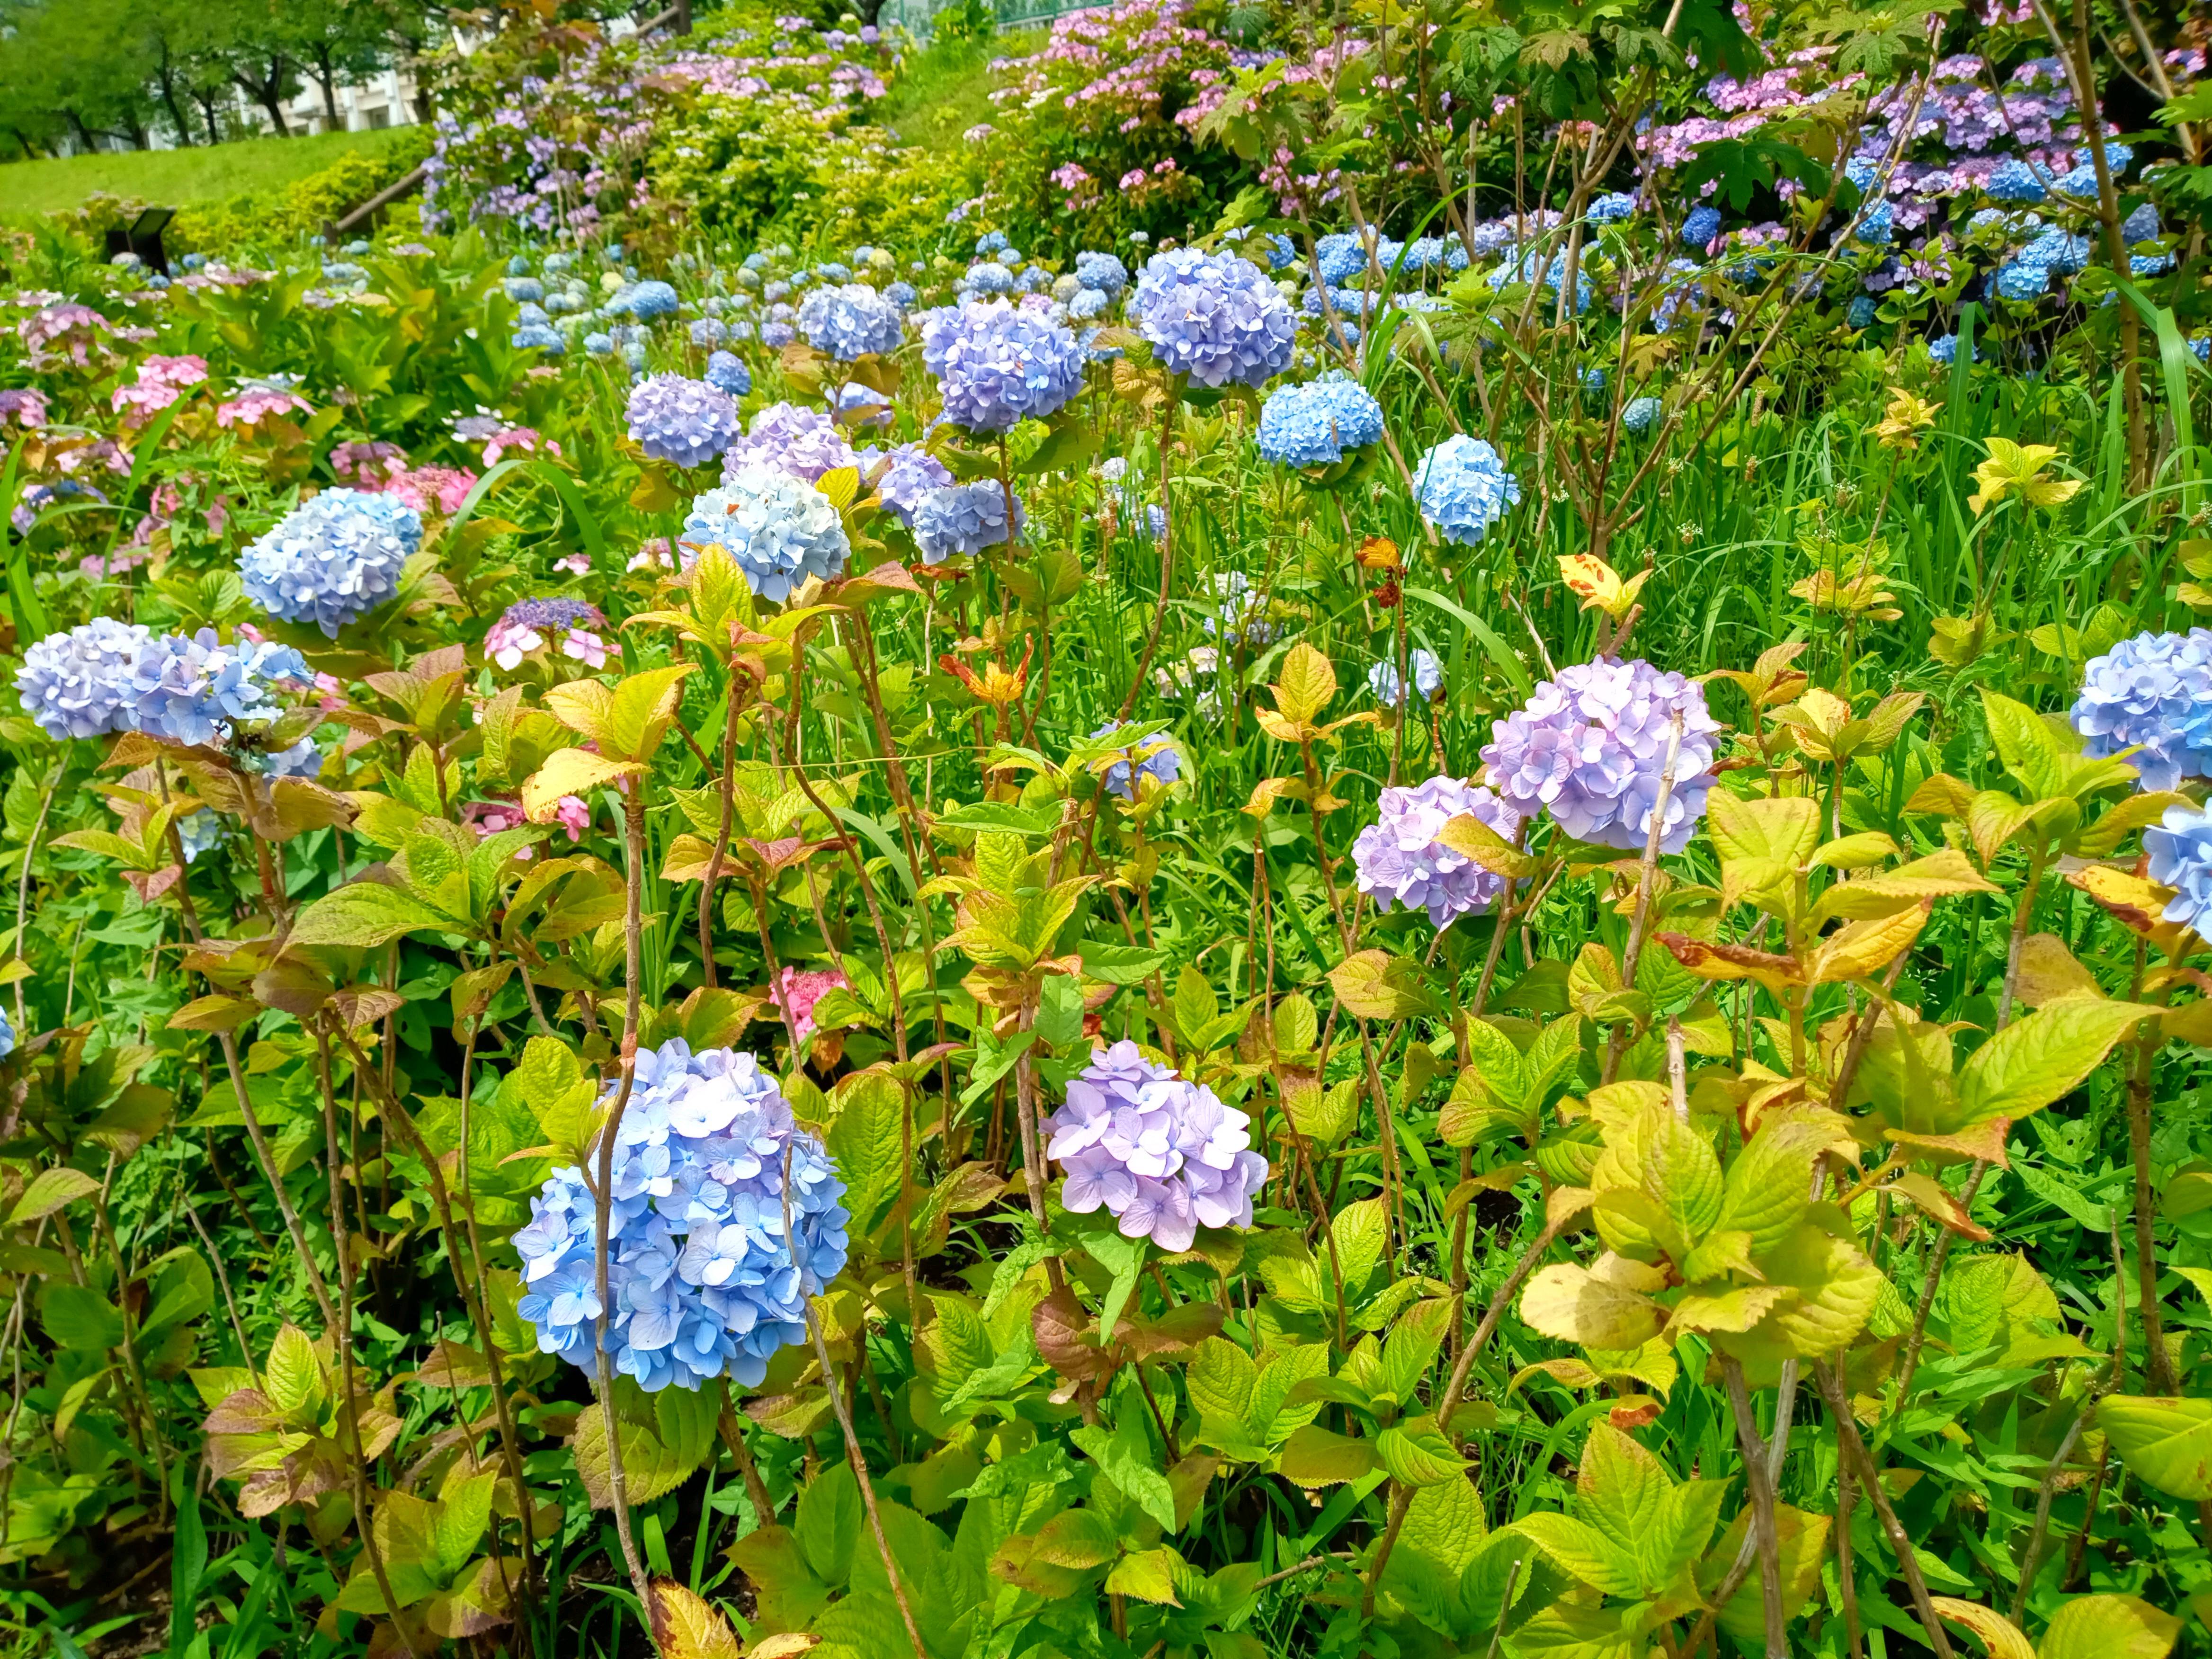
x=801, y=991
x=578, y=564
x=573, y=815
x=256, y=403
x=430, y=489
x=524, y=438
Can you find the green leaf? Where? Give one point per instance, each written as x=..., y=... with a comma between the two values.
x=1582, y=1551
x=830, y=1523
x=1126, y=1458
x=188, y=1559
x=2166, y=1442
x=458, y=1519
x=1418, y=1455
x=865, y=1141
x=1374, y=985
x=1220, y=1379
x=664, y=1438
x=2109, y=1628
x=1149, y=1575
x=2033, y=1061
x=52, y=1190
x=293, y=1378
x=363, y=915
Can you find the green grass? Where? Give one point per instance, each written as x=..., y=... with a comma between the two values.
x=947, y=90
x=180, y=178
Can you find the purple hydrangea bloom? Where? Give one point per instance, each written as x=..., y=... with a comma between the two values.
x=1463, y=489
x=790, y=438
x=963, y=519
x=914, y=473
x=332, y=559
x=195, y=690
x=779, y=529
x=851, y=321
x=1401, y=861
x=1591, y=746
x=701, y=1270
x=1155, y=758
x=77, y=684
x=1428, y=679
x=999, y=363
x=1313, y=424
x=1215, y=317
x=1162, y=1155
x=2180, y=848
x=686, y=423
x=2152, y=694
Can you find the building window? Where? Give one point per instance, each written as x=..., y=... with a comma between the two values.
x=379, y=118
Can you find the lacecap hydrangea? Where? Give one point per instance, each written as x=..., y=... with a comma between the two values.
x=332, y=559
x=1464, y=488
x=1400, y=861
x=2152, y=694
x=702, y=1272
x=963, y=519
x=684, y=421
x=779, y=529
x=1162, y=1155
x=1590, y=747
x=851, y=320
x=1314, y=424
x=997, y=364
x=1215, y=317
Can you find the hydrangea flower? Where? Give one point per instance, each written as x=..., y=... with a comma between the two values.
x=1390, y=691
x=703, y=1274
x=2153, y=694
x=1215, y=317
x=1162, y=1155
x=850, y=321
x=77, y=683
x=989, y=278
x=998, y=363
x=1400, y=861
x=780, y=530
x=963, y=519
x=332, y=559
x=1463, y=489
x=1612, y=208
x=1640, y=415
x=2142, y=225
x=1164, y=764
x=1591, y=746
x=529, y=625
x=1102, y=271
x=683, y=421
x=1339, y=255
x=1313, y=424
x=1860, y=315
x=2023, y=279
x=1944, y=349
x=1701, y=225
x=7, y=1037
x=728, y=376
x=646, y=300
x=2180, y=848
x=914, y=473
x=801, y=989
x=790, y=438
x=195, y=690
x=2014, y=180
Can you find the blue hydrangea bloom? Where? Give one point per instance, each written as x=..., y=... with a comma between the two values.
x=2064, y=255
x=851, y=320
x=518, y=265
x=1590, y=746
x=1612, y=208
x=705, y=1279
x=963, y=519
x=2152, y=694
x=600, y=344
x=332, y=559
x=1390, y=691
x=1701, y=225
x=2014, y=180
x=1640, y=415
x=912, y=474
x=538, y=337
x=709, y=331
x=1314, y=424
x=990, y=242
x=1399, y=860
x=1877, y=226
x=2023, y=279
x=1944, y=349
x=683, y=421
x=2142, y=225
x=987, y=279
x=1001, y=363
x=1278, y=251
x=1088, y=303
x=194, y=690
x=1215, y=317
x=832, y=271
x=1532, y=267
x=1861, y=172
x=520, y=288
x=2149, y=264
x=727, y=374
x=780, y=530
x=7, y=1037
x=1424, y=253
x=1155, y=758
x=1860, y=312
x=2180, y=848
x=1463, y=489
x=1339, y=255
x=647, y=301
x=77, y=683
x=901, y=294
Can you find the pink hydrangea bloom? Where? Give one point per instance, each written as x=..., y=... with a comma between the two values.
x=256, y=403
x=801, y=991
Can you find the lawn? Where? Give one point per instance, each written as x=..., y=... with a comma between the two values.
x=180, y=178
x=947, y=90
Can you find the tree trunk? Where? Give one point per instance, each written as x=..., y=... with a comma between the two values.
x=326, y=78
x=265, y=93
x=206, y=101
x=168, y=82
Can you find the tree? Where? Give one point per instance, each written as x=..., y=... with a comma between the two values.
x=338, y=40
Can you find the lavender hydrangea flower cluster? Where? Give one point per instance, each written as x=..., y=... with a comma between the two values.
x=851, y=320
x=780, y=530
x=1162, y=1155
x=332, y=559
x=702, y=1272
x=684, y=421
x=195, y=690
x=1390, y=691
x=77, y=684
x=2152, y=694
x=1314, y=424
x=1463, y=489
x=999, y=363
x=1399, y=859
x=2180, y=848
x=1591, y=747
x=914, y=474
x=1215, y=317
x=790, y=438
x=1164, y=764
x=964, y=519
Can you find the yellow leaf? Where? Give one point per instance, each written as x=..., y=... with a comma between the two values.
x=569, y=772
x=1306, y=685
x=1999, y=1634
x=686, y=1627
x=1575, y=1305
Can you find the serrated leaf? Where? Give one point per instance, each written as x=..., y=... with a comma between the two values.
x=2166, y=1442
x=2034, y=1060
